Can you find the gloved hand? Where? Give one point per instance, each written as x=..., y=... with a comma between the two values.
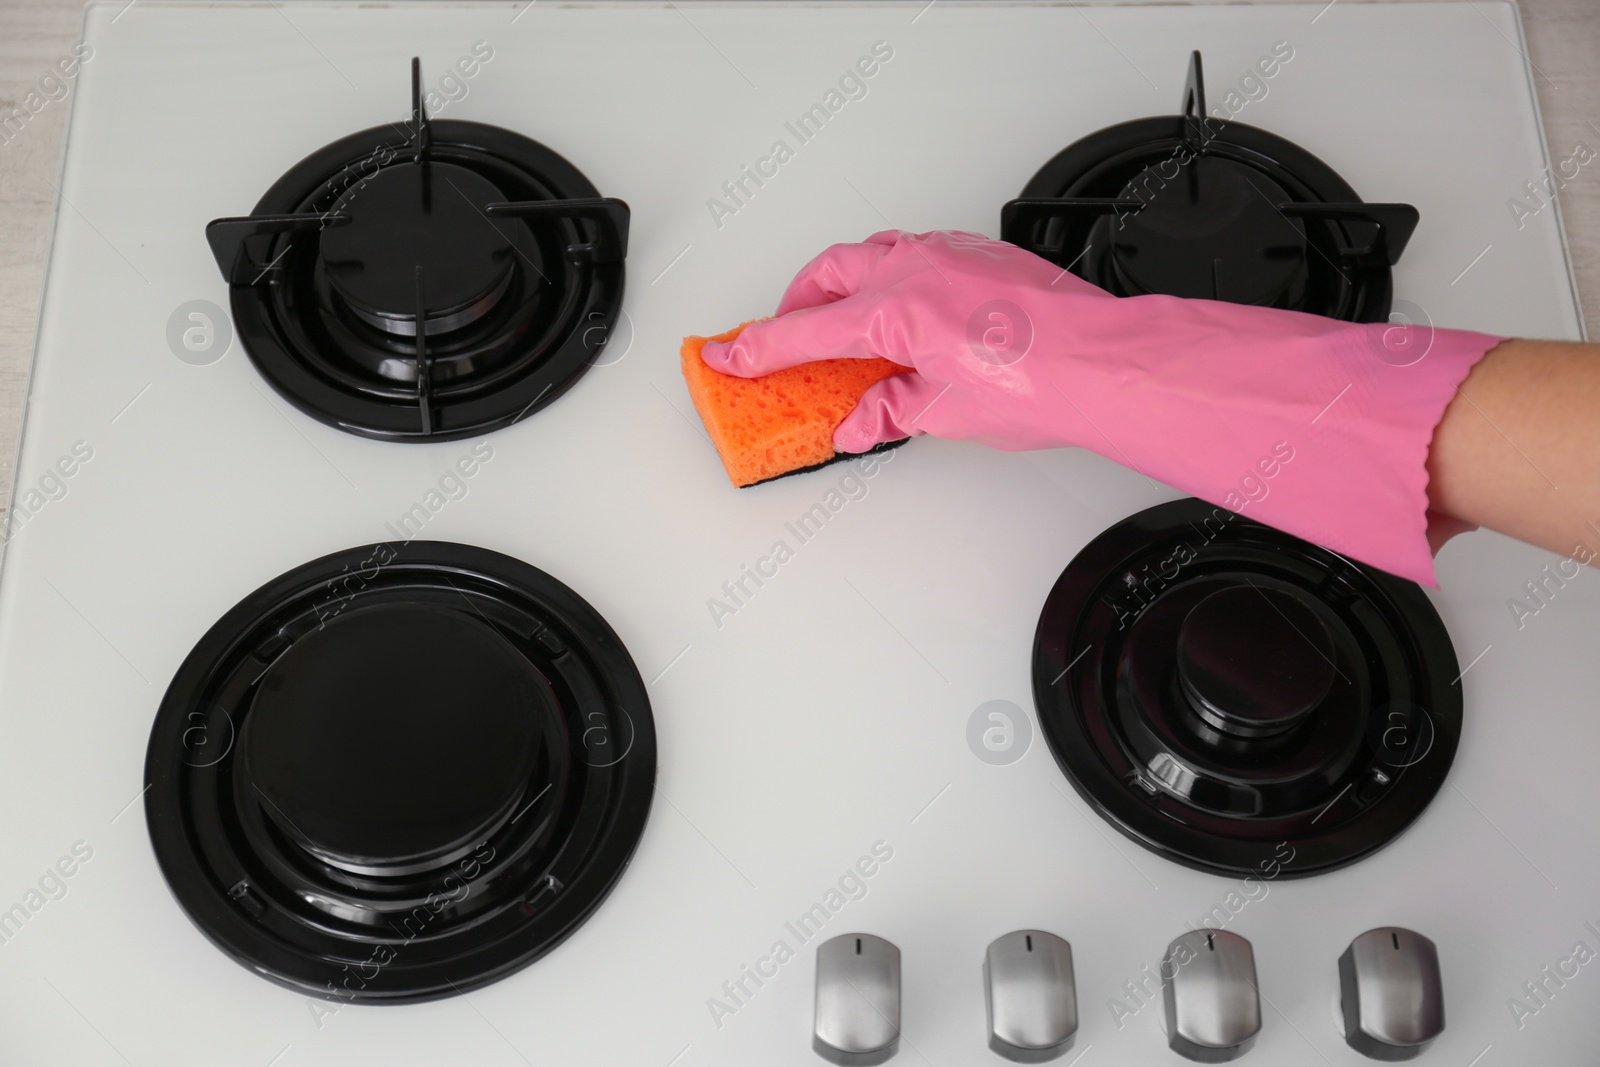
x=1315, y=426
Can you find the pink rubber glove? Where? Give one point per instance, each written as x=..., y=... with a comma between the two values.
x=1318, y=427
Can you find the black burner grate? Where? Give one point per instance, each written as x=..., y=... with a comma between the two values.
x=425, y=280
x=1195, y=206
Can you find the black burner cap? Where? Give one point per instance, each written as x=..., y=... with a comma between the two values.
x=1213, y=232
x=1239, y=700
x=418, y=216
x=400, y=772
x=1252, y=661
x=395, y=738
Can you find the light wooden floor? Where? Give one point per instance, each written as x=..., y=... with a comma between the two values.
x=1563, y=41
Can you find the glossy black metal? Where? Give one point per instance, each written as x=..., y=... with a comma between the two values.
x=424, y=359
x=400, y=772
x=1214, y=234
x=611, y=242
x=361, y=749
x=1236, y=699
x=404, y=219
x=523, y=261
x=1193, y=108
x=421, y=128
x=235, y=243
x=1254, y=662
x=1197, y=206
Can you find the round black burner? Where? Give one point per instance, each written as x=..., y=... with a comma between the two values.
x=1195, y=206
x=1224, y=642
x=500, y=249
x=405, y=216
x=1241, y=701
x=400, y=772
x=1213, y=233
x=344, y=746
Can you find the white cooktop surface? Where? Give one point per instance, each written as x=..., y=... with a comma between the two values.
x=830, y=712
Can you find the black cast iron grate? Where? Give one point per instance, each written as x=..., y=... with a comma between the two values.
x=425, y=280
x=1196, y=206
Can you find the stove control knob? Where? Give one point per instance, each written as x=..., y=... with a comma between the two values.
x=1390, y=994
x=858, y=1000
x=1031, y=996
x=1209, y=984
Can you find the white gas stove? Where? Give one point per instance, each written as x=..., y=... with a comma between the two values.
x=845, y=729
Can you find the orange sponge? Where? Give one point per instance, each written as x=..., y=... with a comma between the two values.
x=778, y=423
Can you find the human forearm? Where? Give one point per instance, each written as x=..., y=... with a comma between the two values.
x=1518, y=449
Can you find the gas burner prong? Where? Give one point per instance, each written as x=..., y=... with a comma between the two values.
x=230, y=240
x=424, y=369
x=1025, y=213
x=419, y=115
x=1193, y=108
x=1395, y=223
x=609, y=214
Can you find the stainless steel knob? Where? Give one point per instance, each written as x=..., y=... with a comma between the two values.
x=1209, y=984
x=858, y=1000
x=1390, y=993
x=1031, y=996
